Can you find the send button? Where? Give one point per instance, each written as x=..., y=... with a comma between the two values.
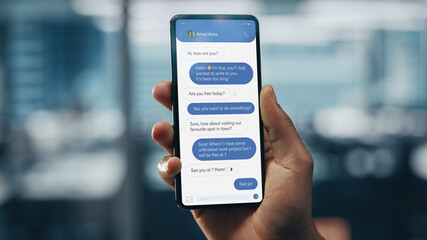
x=245, y=183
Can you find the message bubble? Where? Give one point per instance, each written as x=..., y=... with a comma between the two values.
x=215, y=126
x=245, y=184
x=206, y=94
x=202, y=53
x=220, y=108
x=221, y=73
x=211, y=149
x=211, y=170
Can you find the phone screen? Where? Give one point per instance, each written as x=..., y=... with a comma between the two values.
x=217, y=92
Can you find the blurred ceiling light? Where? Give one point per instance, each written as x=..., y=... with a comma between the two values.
x=391, y=120
x=417, y=123
x=45, y=129
x=109, y=24
x=342, y=123
x=385, y=163
x=104, y=125
x=300, y=30
x=359, y=162
x=42, y=125
x=418, y=162
x=81, y=175
x=397, y=15
x=98, y=8
x=379, y=163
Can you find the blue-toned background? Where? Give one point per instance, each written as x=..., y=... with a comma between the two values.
x=76, y=157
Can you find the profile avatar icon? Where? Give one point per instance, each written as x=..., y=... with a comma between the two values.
x=190, y=33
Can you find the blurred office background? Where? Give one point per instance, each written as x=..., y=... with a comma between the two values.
x=76, y=156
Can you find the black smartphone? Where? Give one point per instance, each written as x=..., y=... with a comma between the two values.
x=216, y=81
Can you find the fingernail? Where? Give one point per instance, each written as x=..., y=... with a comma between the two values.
x=273, y=94
x=163, y=166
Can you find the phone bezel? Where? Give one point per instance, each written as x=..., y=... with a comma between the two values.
x=178, y=193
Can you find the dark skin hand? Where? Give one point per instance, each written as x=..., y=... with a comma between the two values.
x=285, y=212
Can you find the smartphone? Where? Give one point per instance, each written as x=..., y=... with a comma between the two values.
x=216, y=81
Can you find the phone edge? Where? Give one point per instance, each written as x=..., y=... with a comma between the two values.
x=174, y=94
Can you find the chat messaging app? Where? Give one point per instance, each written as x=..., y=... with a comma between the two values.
x=218, y=112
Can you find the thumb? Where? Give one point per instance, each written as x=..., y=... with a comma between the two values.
x=284, y=139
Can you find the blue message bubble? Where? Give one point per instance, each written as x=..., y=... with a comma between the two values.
x=212, y=149
x=220, y=108
x=221, y=73
x=246, y=184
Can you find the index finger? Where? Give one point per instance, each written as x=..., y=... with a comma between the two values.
x=162, y=93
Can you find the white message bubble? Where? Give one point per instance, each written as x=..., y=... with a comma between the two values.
x=211, y=170
x=202, y=53
x=215, y=126
x=206, y=93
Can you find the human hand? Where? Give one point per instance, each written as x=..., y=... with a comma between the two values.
x=285, y=212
